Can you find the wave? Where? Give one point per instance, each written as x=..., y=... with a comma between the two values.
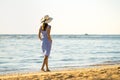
x=18, y=36
x=88, y=36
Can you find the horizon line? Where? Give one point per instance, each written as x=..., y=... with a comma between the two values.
x=57, y=34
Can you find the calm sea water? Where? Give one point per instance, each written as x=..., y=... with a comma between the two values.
x=20, y=53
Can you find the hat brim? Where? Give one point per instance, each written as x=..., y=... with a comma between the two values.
x=49, y=20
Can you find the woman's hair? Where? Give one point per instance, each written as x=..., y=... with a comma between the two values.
x=44, y=26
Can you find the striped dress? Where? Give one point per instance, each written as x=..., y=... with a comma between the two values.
x=46, y=44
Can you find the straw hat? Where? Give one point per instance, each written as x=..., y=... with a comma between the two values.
x=46, y=19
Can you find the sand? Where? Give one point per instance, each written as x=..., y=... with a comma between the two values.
x=109, y=72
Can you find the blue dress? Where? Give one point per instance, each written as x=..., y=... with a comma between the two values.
x=46, y=44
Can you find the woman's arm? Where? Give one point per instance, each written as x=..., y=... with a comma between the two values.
x=39, y=34
x=48, y=33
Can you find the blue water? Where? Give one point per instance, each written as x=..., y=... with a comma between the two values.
x=20, y=53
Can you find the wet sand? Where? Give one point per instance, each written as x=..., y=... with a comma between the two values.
x=106, y=72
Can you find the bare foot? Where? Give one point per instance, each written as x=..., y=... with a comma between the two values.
x=47, y=70
x=42, y=70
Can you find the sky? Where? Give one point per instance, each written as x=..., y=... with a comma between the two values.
x=69, y=16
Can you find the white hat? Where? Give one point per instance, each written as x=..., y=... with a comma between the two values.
x=46, y=19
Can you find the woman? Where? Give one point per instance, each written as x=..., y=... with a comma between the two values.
x=44, y=36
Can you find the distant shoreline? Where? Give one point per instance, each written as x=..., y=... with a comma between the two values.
x=63, y=34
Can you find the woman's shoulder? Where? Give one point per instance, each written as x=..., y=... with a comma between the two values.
x=49, y=26
x=40, y=27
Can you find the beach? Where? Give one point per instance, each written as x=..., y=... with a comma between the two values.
x=73, y=57
x=106, y=72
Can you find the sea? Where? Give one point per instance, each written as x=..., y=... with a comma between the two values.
x=22, y=52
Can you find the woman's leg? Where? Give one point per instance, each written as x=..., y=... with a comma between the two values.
x=47, y=69
x=44, y=62
x=48, y=51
